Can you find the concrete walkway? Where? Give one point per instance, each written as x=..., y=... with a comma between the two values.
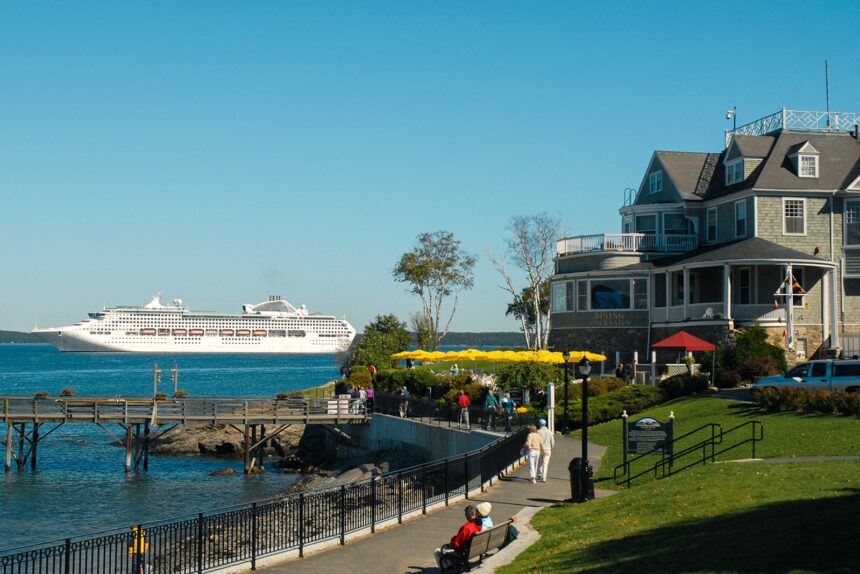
x=408, y=548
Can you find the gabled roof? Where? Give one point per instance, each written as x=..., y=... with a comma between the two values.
x=839, y=154
x=685, y=169
x=803, y=147
x=753, y=146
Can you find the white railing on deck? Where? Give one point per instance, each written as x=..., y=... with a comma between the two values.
x=626, y=243
x=760, y=312
x=704, y=310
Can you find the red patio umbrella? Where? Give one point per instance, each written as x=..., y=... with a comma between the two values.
x=686, y=342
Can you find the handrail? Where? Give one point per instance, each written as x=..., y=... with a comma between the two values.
x=197, y=543
x=666, y=466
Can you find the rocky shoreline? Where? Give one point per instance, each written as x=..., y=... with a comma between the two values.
x=296, y=450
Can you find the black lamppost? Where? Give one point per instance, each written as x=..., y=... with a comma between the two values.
x=584, y=368
x=565, y=427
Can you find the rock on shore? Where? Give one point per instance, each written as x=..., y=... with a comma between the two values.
x=221, y=440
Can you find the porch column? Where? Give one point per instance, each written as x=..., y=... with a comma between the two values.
x=789, y=307
x=686, y=290
x=826, y=303
x=834, y=310
x=669, y=299
x=727, y=290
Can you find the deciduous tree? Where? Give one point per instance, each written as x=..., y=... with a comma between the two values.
x=435, y=269
x=382, y=338
x=531, y=247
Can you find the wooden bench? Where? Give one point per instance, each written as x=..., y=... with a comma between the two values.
x=485, y=542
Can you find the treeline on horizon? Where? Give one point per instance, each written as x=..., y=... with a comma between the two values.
x=494, y=339
x=470, y=339
x=18, y=337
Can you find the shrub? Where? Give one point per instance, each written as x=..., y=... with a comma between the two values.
x=416, y=380
x=475, y=391
x=789, y=399
x=684, y=384
x=529, y=375
x=41, y=395
x=67, y=392
x=359, y=376
x=727, y=378
x=758, y=367
x=180, y=394
x=607, y=407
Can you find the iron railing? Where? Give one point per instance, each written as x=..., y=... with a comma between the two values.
x=448, y=413
x=243, y=534
x=673, y=460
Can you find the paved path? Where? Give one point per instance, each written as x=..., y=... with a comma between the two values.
x=408, y=548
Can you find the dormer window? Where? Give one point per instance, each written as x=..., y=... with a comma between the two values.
x=804, y=157
x=655, y=182
x=734, y=172
x=808, y=166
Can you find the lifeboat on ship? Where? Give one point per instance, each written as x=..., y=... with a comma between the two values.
x=243, y=332
x=259, y=332
x=180, y=332
x=226, y=332
x=196, y=332
x=147, y=331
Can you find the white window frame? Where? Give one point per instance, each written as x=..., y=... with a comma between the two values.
x=708, y=213
x=733, y=174
x=802, y=200
x=627, y=224
x=845, y=221
x=799, y=274
x=655, y=181
x=742, y=204
x=800, y=158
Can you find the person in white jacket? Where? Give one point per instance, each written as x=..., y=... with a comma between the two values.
x=547, y=443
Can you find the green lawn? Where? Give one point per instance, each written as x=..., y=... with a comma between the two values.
x=752, y=517
x=785, y=434
x=727, y=517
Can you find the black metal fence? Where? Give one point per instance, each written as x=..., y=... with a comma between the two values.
x=448, y=414
x=244, y=534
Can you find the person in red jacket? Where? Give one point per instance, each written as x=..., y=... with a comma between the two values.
x=464, y=403
x=447, y=554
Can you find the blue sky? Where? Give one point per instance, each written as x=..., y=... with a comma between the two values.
x=222, y=151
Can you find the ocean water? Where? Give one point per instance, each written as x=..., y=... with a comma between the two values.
x=80, y=486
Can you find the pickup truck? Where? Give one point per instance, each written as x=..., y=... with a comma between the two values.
x=824, y=375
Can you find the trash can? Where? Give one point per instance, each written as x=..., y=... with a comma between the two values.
x=578, y=490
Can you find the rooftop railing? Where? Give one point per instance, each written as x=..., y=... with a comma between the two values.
x=626, y=243
x=786, y=119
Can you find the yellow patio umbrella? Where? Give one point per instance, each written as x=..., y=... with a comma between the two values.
x=420, y=355
x=401, y=355
x=436, y=355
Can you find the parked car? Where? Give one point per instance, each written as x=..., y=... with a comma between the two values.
x=823, y=375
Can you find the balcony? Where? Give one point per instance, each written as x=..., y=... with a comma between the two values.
x=626, y=243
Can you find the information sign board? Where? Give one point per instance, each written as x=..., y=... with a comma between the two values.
x=647, y=435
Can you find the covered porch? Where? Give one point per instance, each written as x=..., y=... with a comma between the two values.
x=753, y=281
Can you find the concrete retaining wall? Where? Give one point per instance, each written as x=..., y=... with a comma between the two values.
x=430, y=442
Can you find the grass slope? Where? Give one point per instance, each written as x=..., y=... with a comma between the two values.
x=718, y=518
x=731, y=517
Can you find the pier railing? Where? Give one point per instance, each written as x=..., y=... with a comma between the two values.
x=247, y=534
x=197, y=410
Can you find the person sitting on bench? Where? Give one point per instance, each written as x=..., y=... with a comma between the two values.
x=484, y=510
x=460, y=541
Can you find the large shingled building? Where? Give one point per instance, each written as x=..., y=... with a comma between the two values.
x=766, y=231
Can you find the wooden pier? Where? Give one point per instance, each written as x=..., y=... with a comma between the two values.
x=138, y=416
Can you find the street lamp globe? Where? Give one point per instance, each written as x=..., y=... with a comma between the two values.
x=584, y=366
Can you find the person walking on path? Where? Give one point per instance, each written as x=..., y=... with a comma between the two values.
x=547, y=444
x=404, y=402
x=464, y=403
x=455, y=370
x=532, y=449
x=460, y=541
x=491, y=405
x=372, y=369
x=509, y=407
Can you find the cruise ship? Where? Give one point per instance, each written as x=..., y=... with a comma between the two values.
x=273, y=326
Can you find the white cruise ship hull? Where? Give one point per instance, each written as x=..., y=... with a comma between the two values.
x=274, y=326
